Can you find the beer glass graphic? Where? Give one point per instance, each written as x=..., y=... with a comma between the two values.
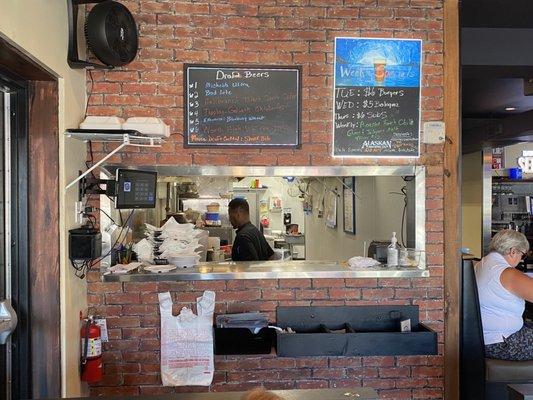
x=380, y=70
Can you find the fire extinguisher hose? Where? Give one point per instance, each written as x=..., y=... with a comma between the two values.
x=85, y=345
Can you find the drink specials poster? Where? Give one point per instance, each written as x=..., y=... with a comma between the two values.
x=377, y=97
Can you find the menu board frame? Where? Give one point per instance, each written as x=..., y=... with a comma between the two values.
x=295, y=144
x=375, y=65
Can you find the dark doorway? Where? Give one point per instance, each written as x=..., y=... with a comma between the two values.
x=29, y=194
x=14, y=274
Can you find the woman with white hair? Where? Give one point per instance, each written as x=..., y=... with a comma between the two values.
x=502, y=294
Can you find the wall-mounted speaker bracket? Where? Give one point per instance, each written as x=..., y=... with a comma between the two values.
x=73, y=55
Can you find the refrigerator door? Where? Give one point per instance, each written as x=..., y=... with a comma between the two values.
x=252, y=196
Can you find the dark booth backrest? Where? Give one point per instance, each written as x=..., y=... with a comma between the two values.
x=472, y=348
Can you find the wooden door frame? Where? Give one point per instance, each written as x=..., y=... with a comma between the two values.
x=42, y=273
x=18, y=138
x=452, y=198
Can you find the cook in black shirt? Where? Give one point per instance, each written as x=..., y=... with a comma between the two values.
x=249, y=244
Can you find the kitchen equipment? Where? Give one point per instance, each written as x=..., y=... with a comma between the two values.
x=225, y=233
x=291, y=229
x=192, y=215
x=279, y=243
x=187, y=190
x=282, y=254
x=287, y=218
x=213, y=243
x=295, y=240
x=378, y=250
x=253, y=197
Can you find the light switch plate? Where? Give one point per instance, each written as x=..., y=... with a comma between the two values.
x=434, y=132
x=78, y=210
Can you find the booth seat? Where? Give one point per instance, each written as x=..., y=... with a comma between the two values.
x=480, y=377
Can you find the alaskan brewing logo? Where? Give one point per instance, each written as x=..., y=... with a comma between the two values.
x=377, y=97
x=377, y=144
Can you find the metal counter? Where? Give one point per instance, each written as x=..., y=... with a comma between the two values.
x=268, y=270
x=294, y=394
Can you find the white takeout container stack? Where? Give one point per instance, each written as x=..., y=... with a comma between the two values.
x=144, y=250
x=178, y=243
x=95, y=122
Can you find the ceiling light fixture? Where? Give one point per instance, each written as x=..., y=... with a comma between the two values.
x=510, y=108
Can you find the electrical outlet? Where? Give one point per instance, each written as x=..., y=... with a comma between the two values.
x=78, y=209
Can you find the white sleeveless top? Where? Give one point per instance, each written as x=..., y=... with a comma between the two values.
x=501, y=310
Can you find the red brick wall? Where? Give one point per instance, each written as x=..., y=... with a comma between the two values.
x=270, y=32
x=131, y=357
x=259, y=31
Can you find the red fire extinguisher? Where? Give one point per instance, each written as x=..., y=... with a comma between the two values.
x=91, y=351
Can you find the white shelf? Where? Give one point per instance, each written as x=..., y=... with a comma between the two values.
x=129, y=137
x=123, y=137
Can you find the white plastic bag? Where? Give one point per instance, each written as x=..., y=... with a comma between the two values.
x=362, y=262
x=187, y=342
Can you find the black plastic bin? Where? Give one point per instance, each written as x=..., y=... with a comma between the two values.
x=243, y=341
x=366, y=331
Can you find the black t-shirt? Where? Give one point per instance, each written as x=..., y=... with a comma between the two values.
x=250, y=245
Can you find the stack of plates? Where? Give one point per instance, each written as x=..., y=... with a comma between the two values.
x=178, y=243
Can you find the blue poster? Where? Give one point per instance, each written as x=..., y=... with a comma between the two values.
x=377, y=97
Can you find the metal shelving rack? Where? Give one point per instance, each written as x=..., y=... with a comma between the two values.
x=123, y=137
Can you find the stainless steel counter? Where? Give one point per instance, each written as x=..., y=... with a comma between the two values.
x=294, y=394
x=268, y=270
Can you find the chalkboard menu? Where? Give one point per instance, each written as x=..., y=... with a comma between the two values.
x=241, y=106
x=377, y=97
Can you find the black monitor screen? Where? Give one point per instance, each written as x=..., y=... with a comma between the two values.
x=136, y=189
